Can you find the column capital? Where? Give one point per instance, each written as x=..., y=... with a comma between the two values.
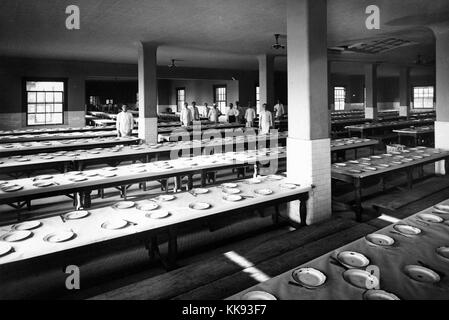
x=440, y=29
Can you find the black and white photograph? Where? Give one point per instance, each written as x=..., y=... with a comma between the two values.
x=224, y=153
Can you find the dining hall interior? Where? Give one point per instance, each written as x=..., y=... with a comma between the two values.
x=211, y=150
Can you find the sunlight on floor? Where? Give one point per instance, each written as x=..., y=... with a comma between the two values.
x=389, y=218
x=247, y=266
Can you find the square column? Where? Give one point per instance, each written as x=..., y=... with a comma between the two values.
x=308, y=144
x=404, y=92
x=371, y=91
x=147, y=77
x=442, y=93
x=266, y=80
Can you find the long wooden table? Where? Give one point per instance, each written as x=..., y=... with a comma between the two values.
x=122, y=177
x=80, y=159
x=36, y=147
x=387, y=263
x=416, y=134
x=21, y=132
x=365, y=130
x=379, y=166
x=89, y=236
x=340, y=146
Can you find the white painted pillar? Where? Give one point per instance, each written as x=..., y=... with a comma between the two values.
x=442, y=90
x=371, y=91
x=308, y=144
x=404, y=92
x=147, y=76
x=266, y=80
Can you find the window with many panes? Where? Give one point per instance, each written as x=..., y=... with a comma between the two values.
x=45, y=101
x=258, y=99
x=220, y=97
x=339, y=98
x=423, y=97
x=180, y=98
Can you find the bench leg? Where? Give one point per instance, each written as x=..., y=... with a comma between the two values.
x=358, y=200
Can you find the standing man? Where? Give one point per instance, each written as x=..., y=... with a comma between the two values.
x=279, y=110
x=206, y=109
x=195, y=112
x=241, y=115
x=214, y=113
x=265, y=120
x=250, y=115
x=186, y=115
x=231, y=114
x=125, y=122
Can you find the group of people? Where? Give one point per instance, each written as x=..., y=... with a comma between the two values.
x=125, y=120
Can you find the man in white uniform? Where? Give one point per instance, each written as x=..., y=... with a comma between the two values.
x=186, y=115
x=279, y=109
x=214, y=113
x=195, y=112
x=250, y=115
x=125, y=122
x=265, y=120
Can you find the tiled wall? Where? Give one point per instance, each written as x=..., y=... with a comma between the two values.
x=441, y=141
x=309, y=162
x=10, y=121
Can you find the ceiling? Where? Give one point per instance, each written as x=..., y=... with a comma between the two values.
x=204, y=33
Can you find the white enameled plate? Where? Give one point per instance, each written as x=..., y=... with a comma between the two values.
x=355, y=171
x=27, y=225
x=309, y=277
x=158, y=215
x=4, y=249
x=443, y=252
x=15, y=236
x=258, y=295
x=114, y=224
x=361, y=278
x=340, y=164
x=421, y=274
x=380, y=239
x=428, y=217
x=78, y=179
x=12, y=188
x=166, y=197
x=108, y=174
x=379, y=295
x=147, y=206
x=75, y=215
x=264, y=192
x=352, y=259
x=253, y=181
x=200, y=190
x=44, y=177
x=442, y=207
x=231, y=190
x=60, y=236
x=290, y=186
x=232, y=197
x=407, y=229
x=23, y=160
x=110, y=169
x=124, y=205
x=43, y=184
x=91, y=174
x=229, y=185
x=199, y=206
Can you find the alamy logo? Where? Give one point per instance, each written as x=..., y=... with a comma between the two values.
x=72, y=282
x=373, y=20
x=72, y=22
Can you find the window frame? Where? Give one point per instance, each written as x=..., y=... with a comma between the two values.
x=178, y=107
x=423, y=97
x=225, y=101
x=44, y=79
x=337, y=98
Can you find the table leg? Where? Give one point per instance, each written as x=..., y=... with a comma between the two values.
x=172, y=247
x=409, y=178
x=78, y=201
x=303, y=209
x=358, y=199
x=203, y=178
